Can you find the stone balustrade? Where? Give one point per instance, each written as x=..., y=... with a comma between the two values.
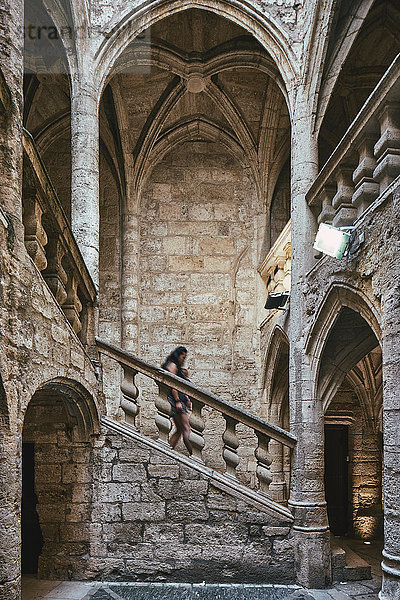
x=366, y=160
x=233, y=415
x=51, y=245
x=276, y=267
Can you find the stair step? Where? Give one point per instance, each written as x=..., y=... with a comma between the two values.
x=347, y=565
x=338, y=555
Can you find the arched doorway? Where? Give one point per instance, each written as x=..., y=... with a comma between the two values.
x=56, y=479
x=350, y=388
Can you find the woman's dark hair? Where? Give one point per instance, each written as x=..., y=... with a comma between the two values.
x=174, y=356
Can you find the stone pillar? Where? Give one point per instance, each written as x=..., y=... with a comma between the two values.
x=130, y=269
x=11, y=84
x=85, y=217
x=391, y=438
x=11, y=64
x=277, y=488
x=307, y=499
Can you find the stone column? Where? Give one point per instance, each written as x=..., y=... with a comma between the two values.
x=85, y=217
x=391, y=436
x=307, y=499
x=11, y=64
x=130, y=267
x=12, y=236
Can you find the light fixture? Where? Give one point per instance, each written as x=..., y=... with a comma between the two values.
x=333, y=241
x=277, y=300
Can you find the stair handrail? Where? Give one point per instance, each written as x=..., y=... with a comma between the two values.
x=164, y=377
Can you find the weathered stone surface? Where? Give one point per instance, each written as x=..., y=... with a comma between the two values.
x=177, y=169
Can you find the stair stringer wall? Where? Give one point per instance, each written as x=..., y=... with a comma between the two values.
x=157, y=516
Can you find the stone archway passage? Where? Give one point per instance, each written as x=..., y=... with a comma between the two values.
x=57, y=474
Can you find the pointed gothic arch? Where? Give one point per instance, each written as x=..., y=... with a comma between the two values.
x=275, y=371
x=265, y=30
x=340, y=300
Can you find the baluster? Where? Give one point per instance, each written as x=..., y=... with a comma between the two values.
x=163, y=420
x=129, y=395
x=72, y=305
x=279, y=273
x=264, y=461
x=387, y=148
x=35, y=235
x=197, y=428
x=367, y=189
x=288, y=267
x=325, y=197
x=270, y=281
x=342, y=200
x=55, y=275
x=231, y=444
x=277, y=488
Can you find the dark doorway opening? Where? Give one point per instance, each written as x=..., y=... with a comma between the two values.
x=32, y=539
x=336, y=477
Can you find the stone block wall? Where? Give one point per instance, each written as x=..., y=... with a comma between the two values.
x=37, y=345
x=198, y=279
x=156, y=518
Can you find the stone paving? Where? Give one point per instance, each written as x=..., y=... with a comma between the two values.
x=56, y=590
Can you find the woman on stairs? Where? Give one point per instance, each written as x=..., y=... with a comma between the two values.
x=179, y=401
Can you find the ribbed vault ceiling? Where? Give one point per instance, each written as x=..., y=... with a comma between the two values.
x=197, y=76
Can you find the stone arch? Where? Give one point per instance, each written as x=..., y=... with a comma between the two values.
x=339, y=298
x=51, y=131
x=63, y=22
x=343, y=41
x=191, y=130
x=173, y=61
x=278, y=348
x=345, y=334
x=67, y=19
x=79, y=405
x=265, y=30
x=352, y=71
x=276, y=385
x=59, y=424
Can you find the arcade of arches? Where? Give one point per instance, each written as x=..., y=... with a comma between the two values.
x=164, y=170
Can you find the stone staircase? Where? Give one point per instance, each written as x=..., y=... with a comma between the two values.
x=244, y=523
x=222, y=481
x=261, y=431
x=181, y=520
x=192, y=520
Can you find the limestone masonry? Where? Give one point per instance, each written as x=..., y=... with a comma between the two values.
x=164, y=168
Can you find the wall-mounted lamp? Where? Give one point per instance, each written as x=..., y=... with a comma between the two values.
x=277, y=300
x=333, y=241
